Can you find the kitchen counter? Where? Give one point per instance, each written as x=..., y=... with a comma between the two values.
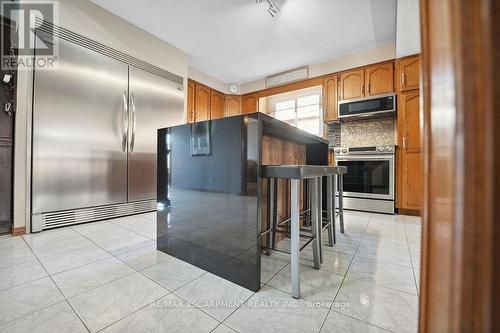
x=211, y=197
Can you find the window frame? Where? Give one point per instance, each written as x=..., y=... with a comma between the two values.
x=294, y=96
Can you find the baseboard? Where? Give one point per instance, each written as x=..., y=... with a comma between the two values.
x=18, y=231
x=412, y=212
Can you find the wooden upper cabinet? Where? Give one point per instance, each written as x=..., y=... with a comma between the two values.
x=250, y=103
x=190, y=102
x=410, y=115
x=379, y=79
x=202, y=103
x=216, y=105
x=234, y=105
x=330, y=100
x=409, y=135
x=408, y=73
x=352, y=84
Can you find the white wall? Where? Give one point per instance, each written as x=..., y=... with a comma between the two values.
x=382, y=53
x=90, y=20
x=407, y=28
x=207, y=80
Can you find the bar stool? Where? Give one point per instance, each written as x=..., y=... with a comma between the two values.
x=334, y=176
x=295, y=173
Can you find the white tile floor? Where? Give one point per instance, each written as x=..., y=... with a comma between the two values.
x=108, y=277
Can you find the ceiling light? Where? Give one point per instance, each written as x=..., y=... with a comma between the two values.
x=273, y=7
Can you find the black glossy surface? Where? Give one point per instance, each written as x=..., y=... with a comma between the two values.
x=209, y=215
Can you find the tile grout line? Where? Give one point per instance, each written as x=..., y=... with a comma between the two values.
x=362, y=321
x=140, y=272
x=130, y=314
x=220, y=323
x=411, y=261
x=108, y=282
x=343, y=278
x=135, y=271
x=188, y=301
x=59, y=289
x=170, y=292
x=369, y=323
x=352, y=259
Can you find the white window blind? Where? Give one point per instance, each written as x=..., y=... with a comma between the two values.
x=300, y=108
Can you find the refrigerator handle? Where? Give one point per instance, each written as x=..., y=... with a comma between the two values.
x=125, y=121
x=132, y=127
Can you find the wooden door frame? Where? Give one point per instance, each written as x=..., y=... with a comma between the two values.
x=461, y=135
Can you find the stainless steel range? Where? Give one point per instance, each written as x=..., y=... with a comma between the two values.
x=369, y=182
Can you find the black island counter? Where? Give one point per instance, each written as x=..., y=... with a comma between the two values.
x=212, y=200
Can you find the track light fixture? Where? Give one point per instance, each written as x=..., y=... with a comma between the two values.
x=273, y=7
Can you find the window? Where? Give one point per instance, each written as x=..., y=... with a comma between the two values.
x=299, y=108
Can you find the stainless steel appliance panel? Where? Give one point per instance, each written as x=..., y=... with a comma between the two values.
x=368, y=205
x=154, y=103
x=372, y=175
x=79, y=131
x=372, y=106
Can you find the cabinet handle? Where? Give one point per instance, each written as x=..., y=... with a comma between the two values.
x=363, y=90
x=369, y=88
x=403, y=78
x=404, y=142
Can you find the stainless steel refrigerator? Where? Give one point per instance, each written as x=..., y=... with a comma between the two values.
x=95, y=122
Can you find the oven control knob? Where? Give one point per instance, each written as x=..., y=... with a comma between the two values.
x=381, y=148
x=390, y=149
x=337, y=150
x=344, y=150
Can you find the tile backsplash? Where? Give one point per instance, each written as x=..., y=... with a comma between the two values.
x=363, y=133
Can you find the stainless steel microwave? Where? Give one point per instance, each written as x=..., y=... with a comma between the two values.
x=381, y=105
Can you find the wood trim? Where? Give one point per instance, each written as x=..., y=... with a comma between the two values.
x=411, y=212
x=460, y=282
x=19, y=231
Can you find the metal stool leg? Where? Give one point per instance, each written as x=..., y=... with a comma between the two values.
x=341, y=202
x=274, y=212
x=330, y=210
x=270, y=201
x=334, y=208
x=314, y=222
x=295, y=237
x=309, y=202
x=320, y=217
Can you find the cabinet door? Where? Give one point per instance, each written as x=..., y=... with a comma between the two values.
x=201, y=103
x=250, y=104
x=409, y=73
x=409, y=141
x=233, y=105
x=190, y=102
x=330, y=98
x=379, y=79
x=352, y=84
x=331, y=158
x=216, y=105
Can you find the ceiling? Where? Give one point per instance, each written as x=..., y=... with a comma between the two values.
x=238, y=41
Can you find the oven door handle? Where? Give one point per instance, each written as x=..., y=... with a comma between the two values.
x=364, y=158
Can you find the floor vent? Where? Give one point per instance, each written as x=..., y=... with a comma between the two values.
x=52, y=220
